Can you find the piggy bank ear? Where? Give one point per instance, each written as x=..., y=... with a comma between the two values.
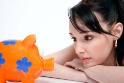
x=29, y=40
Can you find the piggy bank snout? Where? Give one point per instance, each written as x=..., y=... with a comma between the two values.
x=48, y=64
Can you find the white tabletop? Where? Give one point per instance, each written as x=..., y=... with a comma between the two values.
x=50, y=80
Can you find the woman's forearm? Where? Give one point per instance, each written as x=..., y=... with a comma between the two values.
x=106, y=74
x=63, y=72
x=64, y=55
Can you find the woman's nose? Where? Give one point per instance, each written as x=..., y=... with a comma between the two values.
x=79, y=49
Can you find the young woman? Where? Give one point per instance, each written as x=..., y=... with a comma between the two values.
x=96, y=27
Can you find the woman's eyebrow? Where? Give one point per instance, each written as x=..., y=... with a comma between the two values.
x=79, y=33
x=86, y=32
x=82, y=32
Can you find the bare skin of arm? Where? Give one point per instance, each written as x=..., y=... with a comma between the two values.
x=64, y=55
x=106, y=74
x=67, y=73
x=100, y=73
x=63, y=72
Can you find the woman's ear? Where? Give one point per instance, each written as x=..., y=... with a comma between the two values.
x=117, y=30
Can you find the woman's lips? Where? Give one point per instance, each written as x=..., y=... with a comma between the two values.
x=86, y=59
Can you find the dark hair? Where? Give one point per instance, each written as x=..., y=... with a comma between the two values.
x=111, y=11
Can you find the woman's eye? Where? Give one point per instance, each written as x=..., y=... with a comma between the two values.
x=88, y=37
x=73, y=38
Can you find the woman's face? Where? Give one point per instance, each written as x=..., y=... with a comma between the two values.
x=91, y=47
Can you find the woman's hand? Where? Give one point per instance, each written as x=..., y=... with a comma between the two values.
x=76, y=64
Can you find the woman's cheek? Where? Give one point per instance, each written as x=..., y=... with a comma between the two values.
x=97, y=49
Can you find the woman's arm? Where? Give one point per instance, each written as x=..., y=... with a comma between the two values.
x=60, y=71
x=106, y=74
x=64, y=55
x=63, y=72
x=100, y=73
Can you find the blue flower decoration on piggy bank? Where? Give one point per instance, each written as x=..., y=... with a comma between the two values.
x=2, y=60
x=23, y=64
x=7, y=42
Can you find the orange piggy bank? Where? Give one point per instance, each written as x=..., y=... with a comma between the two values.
x=20, y=61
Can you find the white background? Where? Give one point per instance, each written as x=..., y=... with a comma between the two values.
x=47, y=19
